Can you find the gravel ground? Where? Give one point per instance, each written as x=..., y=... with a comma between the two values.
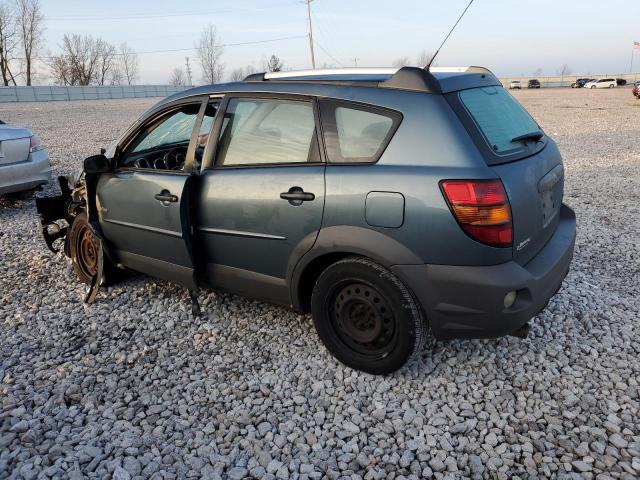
x=135, y=387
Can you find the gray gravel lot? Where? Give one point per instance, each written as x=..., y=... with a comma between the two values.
x=135, y=387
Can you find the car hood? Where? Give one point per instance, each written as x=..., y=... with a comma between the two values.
x=11, y=133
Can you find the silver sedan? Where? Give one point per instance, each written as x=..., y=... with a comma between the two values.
x=24, y=162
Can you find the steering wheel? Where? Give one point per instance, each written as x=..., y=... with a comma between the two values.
x=174, y=159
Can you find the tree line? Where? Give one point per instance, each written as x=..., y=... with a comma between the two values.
x=21, y=31
x=85, y=60
x=209, y=51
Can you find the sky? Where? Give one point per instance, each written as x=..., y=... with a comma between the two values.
x=509, y=37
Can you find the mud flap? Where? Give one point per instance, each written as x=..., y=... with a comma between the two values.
x=195, y=305
x=98, y=278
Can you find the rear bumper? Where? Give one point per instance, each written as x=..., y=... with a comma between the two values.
x=17, y=177
x=468, y=302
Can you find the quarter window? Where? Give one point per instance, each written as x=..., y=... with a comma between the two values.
x=356, y=133
x=257, y=131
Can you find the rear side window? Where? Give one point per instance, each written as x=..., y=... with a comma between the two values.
x=499, y=117
x=356, y=133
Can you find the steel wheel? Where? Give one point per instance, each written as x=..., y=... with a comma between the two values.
x=366, y=317
x=362, y=319
x=87, y=251
x=84, y=250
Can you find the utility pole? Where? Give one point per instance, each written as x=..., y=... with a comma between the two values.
x=355, y=61
x=313, y=57
x=188, y=68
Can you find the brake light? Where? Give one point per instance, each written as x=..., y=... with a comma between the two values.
x=482, y=209
x=35, y=144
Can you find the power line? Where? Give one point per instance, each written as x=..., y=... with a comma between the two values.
x=328, y=54
x=325, y=36
x=160, y=15
x=295, y=37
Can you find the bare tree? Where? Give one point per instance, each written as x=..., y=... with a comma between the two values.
x=537, y=72
x=178, y=77
x=401, y=62
x=84, y=61
x=237, y=75
x=8, y=42
x=210, y=52
x=563, y=71
x=128, y=63
x=274, y=64
x=61, y=71
x=107, y=64
x=31, y=28
x=423, y=58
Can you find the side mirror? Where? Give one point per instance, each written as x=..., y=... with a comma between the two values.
x=97, y=164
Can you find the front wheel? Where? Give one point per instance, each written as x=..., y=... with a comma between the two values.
x=84, y=251
x=366, y=316
x=592, y=87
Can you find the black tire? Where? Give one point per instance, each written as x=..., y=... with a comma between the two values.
x=366, y=317
x=83, y=249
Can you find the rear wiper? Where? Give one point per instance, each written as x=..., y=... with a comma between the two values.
x=537, y=135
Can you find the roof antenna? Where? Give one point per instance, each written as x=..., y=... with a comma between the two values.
x=447, y=37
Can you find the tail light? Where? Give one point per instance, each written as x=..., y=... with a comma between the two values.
x=482, y=209
x=35, y=144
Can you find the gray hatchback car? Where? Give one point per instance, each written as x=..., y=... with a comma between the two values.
x=389, y=203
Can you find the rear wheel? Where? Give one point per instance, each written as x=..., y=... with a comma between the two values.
x=84, y=249
x=366, y=317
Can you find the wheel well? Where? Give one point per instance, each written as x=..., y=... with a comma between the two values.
x=311, y=273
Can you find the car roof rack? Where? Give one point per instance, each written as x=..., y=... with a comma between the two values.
x=404, y=78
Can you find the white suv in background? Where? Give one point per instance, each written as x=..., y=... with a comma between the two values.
x=602, y=83
x=515, y=84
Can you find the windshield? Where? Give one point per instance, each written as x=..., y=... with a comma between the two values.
x=500, y=118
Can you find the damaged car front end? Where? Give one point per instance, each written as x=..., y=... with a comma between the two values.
x=56, y=214
x=71, y=218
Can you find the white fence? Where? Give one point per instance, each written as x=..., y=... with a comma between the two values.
x=49, y=94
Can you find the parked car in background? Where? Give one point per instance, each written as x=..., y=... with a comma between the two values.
x=636, y=89
x=579, y=83
x=515, y=84
x=621, y=82
x=327, y=191
x=533, y=84
x=601, y=83
x=24, y=163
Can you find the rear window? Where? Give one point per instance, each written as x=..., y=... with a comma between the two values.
x=498, y=116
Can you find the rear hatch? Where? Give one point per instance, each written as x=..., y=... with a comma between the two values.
x=14, y=144
x=522, y=156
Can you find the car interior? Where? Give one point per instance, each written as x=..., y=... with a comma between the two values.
x=164, y=143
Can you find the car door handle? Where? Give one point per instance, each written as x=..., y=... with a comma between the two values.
x=166, y=197
x=296, y=194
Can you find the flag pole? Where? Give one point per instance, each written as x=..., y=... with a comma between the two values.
x=633, y=49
